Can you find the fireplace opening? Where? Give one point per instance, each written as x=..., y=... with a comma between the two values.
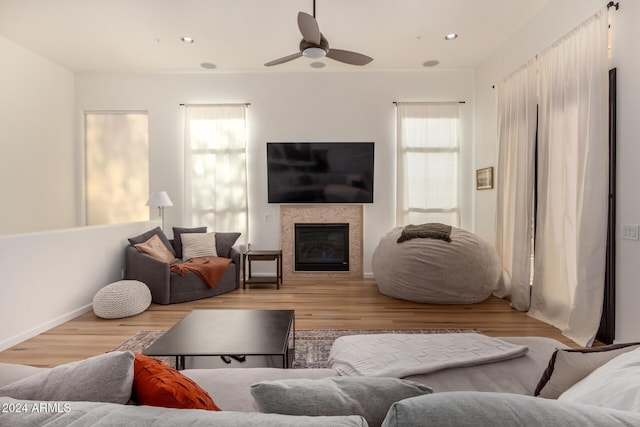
x=321, y=247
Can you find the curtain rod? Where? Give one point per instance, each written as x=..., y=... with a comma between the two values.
x=609, y=6
x=435, y=102
x=200, y=105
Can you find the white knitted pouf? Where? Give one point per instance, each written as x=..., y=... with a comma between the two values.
x=121, y=299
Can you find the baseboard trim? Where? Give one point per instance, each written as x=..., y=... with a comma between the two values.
x=37, y=330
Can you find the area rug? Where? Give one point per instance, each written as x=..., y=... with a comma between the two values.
x=312, y=345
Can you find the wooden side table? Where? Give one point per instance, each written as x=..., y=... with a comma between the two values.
x=258, y=255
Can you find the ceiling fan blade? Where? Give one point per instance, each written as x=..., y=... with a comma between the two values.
x=349, y=57
x=309, y=28
x=284, y=59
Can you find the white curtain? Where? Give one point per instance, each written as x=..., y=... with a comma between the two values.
x=572, y=181
x=515, y=184
x=215, y=167
x=428, y=157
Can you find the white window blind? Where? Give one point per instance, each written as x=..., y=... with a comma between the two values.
x=215, y=167
x=116, y=167
x=428, y=163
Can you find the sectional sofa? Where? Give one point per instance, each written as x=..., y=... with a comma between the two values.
x=580, y=388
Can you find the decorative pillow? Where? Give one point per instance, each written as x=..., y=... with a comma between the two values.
x=177, y=237
x=568, y=366
x=104, y=378
x=615, y=385
x=158, y=384
x=195, y=245
x=370, y=397
x=146, y=236
x=156, y=249
x=225, y=241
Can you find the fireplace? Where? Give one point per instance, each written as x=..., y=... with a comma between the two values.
x=321, y=247
x=290, y=215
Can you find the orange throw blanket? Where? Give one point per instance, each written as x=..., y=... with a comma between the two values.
x=209, y=268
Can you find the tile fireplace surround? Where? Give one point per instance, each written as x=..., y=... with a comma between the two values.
x=296, y=214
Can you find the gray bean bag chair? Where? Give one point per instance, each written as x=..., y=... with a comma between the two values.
x=464, y=270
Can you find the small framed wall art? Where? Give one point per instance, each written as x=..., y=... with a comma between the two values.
x=484, y=178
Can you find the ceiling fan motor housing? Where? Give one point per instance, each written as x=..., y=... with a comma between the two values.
x=313, y=52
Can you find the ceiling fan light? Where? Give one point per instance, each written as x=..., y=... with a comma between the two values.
x=314, y=52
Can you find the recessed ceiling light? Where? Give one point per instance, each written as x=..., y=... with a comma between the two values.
x=187, y=39
x=317, y=64
x=208, y=65
x=430, y=63
x=451, y=36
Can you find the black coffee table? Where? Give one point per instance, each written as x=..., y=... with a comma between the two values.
x=234, y=333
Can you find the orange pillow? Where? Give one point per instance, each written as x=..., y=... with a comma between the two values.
x=157, y=384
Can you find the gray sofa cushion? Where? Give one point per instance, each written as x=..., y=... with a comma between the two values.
x=11, y=372
x=230, y=388
x=370, y=397
x=104, y=378
x=224, y=242
x=62, y=414
x=147, y=235
x=476, y=409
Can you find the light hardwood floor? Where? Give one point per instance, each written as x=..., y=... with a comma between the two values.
x=319, y=304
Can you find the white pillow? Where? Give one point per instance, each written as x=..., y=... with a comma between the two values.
x=616, y=384
x=195, y=245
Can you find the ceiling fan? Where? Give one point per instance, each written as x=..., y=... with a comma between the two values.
x=314, y=45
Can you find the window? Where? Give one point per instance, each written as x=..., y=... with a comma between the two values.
x=116, y=167
x=215, y=167
x=428, y=157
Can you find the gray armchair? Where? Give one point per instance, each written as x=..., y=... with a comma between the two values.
x=168, y=287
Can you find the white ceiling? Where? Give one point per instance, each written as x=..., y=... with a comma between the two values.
x=241, y=35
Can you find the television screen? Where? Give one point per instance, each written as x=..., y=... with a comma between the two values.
x=320, y=172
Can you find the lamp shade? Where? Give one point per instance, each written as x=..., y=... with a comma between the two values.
x=159, y=198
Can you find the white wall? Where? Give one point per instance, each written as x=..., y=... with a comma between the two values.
x=51, y=277
x=37, y=160
x=315, y=106
x=555, y=20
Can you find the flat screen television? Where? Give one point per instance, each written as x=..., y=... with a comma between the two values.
x=320, y=172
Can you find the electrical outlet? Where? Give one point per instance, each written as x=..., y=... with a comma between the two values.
x=629, y=232
x=267, y=217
